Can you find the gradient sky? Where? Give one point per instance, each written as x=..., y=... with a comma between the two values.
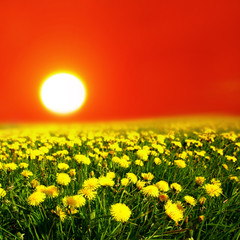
x=137, y=58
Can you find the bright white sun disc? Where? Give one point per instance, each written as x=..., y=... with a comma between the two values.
x=63, y=93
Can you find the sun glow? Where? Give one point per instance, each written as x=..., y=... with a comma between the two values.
x=63, y=93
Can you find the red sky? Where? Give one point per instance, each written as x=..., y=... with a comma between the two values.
x=137, y=58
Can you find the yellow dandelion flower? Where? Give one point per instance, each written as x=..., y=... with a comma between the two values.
x=51, y=191
x=162, y=186
x=111, y=175
x=75, y=201
x=132, y=177
x=213, y=190
x=88, y=193
x=36, y=198
x=176, y=143
x=124, y=181
x=2, y=193
x=125, y=157
x=91, y=183
x=35, y=183
x=163, y=197
x=63, y=166
x=116, y=159
x=143, y=154
x=11, y=166
x=82, y=159
x=147, y=176
x=63, y=179
x=200, y=180
x=140, y=184
x=27, y=173
x=139, y=163
x=176, y=187
x=231, y=158
x=69, y=201
x=120, y=212
x=153, y=153
x=105, y=181
x=157, y=161
x=183, y=155
x=72, y=172
x=81, y=201
x=213, y=148
x=180, y=163
x=104, y=154
x=201, y=153
x=23, y=165
x=41, y=188
x=150, y=191
x=124, y=163
x=220, y=151
x=172, y=210
x=191, y=200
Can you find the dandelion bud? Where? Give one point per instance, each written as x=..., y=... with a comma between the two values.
x=92, y=173
x=105, y=164
x=201, y=218
x=225, y=166
x=118, y=180
x=202, y=200
x=35, y=183
x=72, y=172
x=163, y=197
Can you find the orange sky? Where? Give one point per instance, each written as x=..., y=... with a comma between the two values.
x=137, y=58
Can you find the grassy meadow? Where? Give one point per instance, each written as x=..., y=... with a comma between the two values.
x=153, y=179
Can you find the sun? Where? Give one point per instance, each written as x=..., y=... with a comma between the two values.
x=63, y=93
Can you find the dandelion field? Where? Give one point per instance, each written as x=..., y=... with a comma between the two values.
x=142, y=180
